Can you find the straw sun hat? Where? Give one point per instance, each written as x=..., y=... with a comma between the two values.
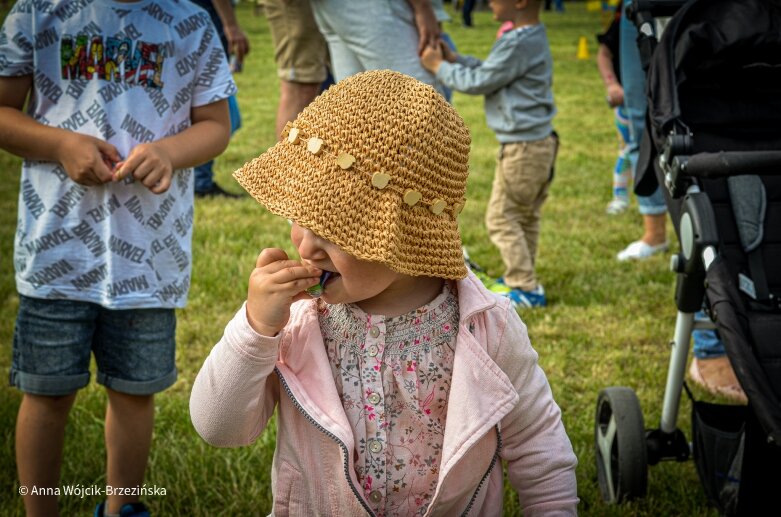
x=377, y=165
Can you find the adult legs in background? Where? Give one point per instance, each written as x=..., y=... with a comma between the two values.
x=293, y=97
x=466, y=12
x=622, y=171
x=379, y=35
x=710, y=367
x=300, y=54
x=654, y=239
x=229, y=34
x=652, y=208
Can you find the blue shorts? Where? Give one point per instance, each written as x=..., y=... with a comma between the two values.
x=134, y=349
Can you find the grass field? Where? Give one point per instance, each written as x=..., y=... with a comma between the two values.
x=608, y=323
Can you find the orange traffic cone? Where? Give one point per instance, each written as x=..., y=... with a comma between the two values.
x=583, y=48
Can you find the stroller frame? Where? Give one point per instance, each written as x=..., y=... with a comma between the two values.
x=624, y=447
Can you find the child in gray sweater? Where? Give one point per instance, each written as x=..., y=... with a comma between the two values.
x=516, y=80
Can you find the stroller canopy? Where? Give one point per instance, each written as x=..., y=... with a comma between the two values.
x=715, y=74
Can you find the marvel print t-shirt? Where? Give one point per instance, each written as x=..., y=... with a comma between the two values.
x=127, y=73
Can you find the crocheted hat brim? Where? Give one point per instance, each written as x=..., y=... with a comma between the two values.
x=368, y=223
x=377, y=165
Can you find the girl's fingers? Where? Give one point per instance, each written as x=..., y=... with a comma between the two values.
x=288, y=273
x=279, y=265
x=269, y=255
x=285, y=271
x=274, y=261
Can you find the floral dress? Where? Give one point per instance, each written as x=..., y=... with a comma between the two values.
x=393, y=377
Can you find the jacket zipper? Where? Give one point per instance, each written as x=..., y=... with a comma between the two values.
x=488, y=472
x=334, y=438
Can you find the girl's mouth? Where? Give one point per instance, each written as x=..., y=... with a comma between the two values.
x=327, y=276
x=317, y=290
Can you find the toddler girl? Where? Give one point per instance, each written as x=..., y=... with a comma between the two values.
x=400, y=388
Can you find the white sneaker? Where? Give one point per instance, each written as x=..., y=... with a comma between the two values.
x=639, y=250
x=617, y=205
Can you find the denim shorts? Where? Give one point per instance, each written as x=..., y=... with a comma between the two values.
x=134, y=349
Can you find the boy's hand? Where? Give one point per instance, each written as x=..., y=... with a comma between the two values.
x=447, y=53
x=431, y=58
x=149, y=164
x=274, y=285
x=87, y=160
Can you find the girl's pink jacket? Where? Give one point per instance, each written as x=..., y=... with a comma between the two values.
x=500, y=407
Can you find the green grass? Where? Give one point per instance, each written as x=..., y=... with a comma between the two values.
x=608, y=323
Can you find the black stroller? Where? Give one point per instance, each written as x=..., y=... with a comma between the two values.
x=713, y=141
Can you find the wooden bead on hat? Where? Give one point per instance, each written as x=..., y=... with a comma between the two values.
x=411, y=197
x=380, y=180
x=314, y=145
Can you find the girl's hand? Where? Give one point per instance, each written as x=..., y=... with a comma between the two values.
x=274, y=285
x=149, y=164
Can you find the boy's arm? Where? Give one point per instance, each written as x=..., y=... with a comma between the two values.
x=432, y=58
x=153, y=163
x=502, y=66
x=83, y=157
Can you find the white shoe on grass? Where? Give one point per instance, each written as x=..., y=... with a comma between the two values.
x=640, y=250
x=617, y=205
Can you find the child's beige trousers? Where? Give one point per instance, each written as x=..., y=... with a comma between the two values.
x=521, y=182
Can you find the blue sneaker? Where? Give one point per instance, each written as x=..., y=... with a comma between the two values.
x=492, y=284
x=127, y=510
x=526, y=299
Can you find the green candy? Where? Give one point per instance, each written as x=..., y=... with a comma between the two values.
x=316, y=291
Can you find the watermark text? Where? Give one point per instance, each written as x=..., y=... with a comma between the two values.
x=82, y=491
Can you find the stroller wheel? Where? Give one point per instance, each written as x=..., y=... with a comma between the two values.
x=621, y=453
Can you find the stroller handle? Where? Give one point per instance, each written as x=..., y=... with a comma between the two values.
x=723, y=164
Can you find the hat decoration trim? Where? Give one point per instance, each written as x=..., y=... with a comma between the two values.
x=379, y=180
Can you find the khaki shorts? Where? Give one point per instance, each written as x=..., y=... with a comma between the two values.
x=299, y=49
